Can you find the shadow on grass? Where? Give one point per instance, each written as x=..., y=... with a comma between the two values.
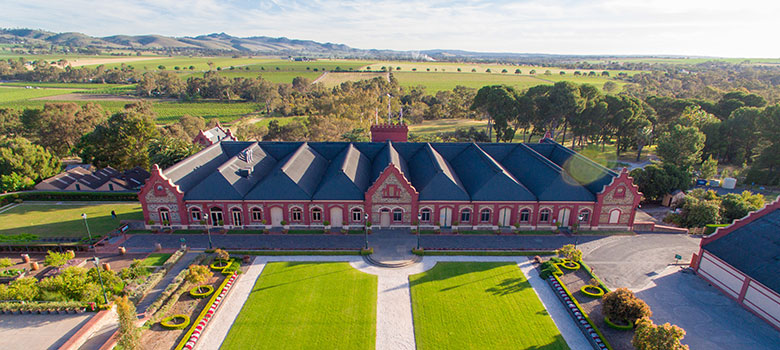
x=296, y=266
x=64, y=226
x=446, y=270
x=509, y=286
x=558, y=343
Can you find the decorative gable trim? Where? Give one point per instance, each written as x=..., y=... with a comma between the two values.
x=752, y=216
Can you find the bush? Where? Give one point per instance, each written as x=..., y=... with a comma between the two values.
x=548, y=268
x=649, y=336
x=201, y=291
x=6, y=262
x=622, y=305
x=592, y=291
x=198, y=274
x=177, y=321
x=569, y=252
x=221, y=254
x=58, y=259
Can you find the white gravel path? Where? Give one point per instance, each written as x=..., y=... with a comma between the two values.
x=394, y=322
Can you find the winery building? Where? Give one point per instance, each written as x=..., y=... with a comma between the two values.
x=238, y=184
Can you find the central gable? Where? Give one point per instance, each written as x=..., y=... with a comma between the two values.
x=391, y=187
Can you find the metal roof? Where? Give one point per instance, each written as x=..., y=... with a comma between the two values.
x=344, y=171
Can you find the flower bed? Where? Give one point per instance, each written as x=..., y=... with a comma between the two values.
x=592, y=291
x=175, y=322
x=191, y=338
x=619, y=327
x=587, y=326
x=197, y=294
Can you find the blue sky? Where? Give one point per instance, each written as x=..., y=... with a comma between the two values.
x=743, y=28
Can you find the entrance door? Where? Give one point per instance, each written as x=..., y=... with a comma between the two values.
x=445, y=217
x=563, y=217
x=216, y=217
x=503, y=217
x=277, y=215
x=385, y=218
x=236, y=214
x=336, y=217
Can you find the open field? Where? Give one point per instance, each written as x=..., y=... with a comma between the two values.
x=432, y=127
x=16, y=94
x=333, y=79
x=65, y=220
x=509, y=314
x=62, y=85
x=307, y=306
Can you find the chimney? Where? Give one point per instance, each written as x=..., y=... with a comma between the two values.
x=391, y=132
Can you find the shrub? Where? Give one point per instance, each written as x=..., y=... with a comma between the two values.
x=24, y=289
x=622, y=305
x=6, y=262
x=58, y=259
x=129, y=334
x=649, y=336
x=569, y=252
x=549, y=268
x=177, y=321
x=222, y=255
x=198, y=274
x=201, y=291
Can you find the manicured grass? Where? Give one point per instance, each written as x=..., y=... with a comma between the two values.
x=65, y=220
x=156, y=259
x=433, y=127
x=297, y=305
x=487, y=252
x=479, y=306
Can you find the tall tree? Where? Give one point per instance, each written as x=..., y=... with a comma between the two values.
x=566, y=103
x=122, y=141
x=166, y=151
x=681, y=146
x=26, y=160
x=499, y=102
x=59, y=126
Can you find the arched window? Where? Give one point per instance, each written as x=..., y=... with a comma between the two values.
x=465, y=215
x=196, y=215
x=544, y=215
x=398, y=215
x=584, y=216
x=357, y=215
x=484, y=215
x=257, y=214
x=316, y=214
x=620, y=192
x=235, y=214
x=425, y=215
x=296, y=214
x=165, y=216
x=525, y=215
x=614, y=216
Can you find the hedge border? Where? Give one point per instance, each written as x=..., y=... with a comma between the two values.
x=584, y=315
x=220, y=268
x=599, y=294
x=69, y=196
x=289, y=252
x=424, y=252
x=574, y=268
x=186, y=338
x=199, y=295
x=166, y=322
x=609, y=323
x=593, y=275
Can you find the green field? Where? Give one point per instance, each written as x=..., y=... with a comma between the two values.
x=16, y=94
x=296, y=305
x=479, y=306
x=65, y=220
x=155, y=259
x=433, y=127
x=61, y=85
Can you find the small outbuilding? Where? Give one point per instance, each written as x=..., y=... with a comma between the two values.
x=670, y=199
x=743, y=261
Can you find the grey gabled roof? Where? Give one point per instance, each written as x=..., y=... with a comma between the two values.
x=296, y=177
x=753, y=249
x=347, y=177
x=344, y=171
x=587, y=172
x=433, y=176
x=544, y=178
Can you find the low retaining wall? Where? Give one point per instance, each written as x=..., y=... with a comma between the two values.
x=647, y=226
x=93, y=325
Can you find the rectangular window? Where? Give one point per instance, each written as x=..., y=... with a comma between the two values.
x=525, y=216
x=316, y=215
x=356, y=215
x=485, y=216
x=425, y=216
x=296, y=215
x=544, y=216
x=584, y=216
x=465, y=216
x=196, y=215
x=398, y=216
x=257, y=215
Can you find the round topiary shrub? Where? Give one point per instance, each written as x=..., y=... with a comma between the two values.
x=201, y=291
x=592, y=291
x=622, y=305
x=570, y=265
x=619, y=327
x=219, y=264
x=175, y=322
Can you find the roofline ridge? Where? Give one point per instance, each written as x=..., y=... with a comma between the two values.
x=294, y=155
x=544, y=159
x=456, y=179
x=580, y=156
x=184, y=161
x=738, y=223
x=235, y=157
x=498, y=165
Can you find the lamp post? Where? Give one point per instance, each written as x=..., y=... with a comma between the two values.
x=365, y=229
x=97, y=260
x=208, y=231
x=419, y=217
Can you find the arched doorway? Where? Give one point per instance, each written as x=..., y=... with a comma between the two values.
x=216, y=217
x=504, y=215
x=614, y=216
x=445, y=217
x=384, y=218
x=336, y=217
x=236, y=216
x=563, y=216
x=277, y=215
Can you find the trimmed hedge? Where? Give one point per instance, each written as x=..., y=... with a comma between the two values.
x=235, y=264
x=168, y=322
x=68, y=196
x=575, y=266
x=593, y=275
x=202, y=314
x=485, y=252
x=584, y=315
x=290, y=252
x=711, y=228
x=219, y=268
x=609, y=323
x=197, y=295
x=585, y=291
x=35, y=306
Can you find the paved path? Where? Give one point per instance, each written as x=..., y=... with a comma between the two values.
x=155, y=292
x=392, y=245
x=394, y=320
x=28, y=332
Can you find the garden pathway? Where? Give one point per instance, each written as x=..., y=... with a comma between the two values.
x=394, y=323
x=155, y=292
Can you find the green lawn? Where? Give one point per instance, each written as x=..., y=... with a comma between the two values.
x=479, y=306
x=307, y=306
x=65, y=220
x=156, y=259
x=14, y=94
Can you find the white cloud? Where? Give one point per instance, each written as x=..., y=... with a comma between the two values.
x=688, y=27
